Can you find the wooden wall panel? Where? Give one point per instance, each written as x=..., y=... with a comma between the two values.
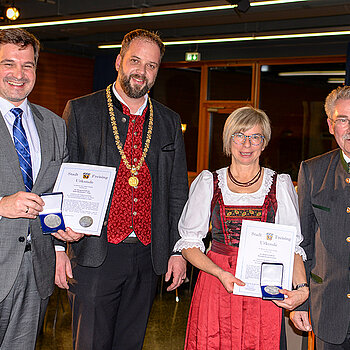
x=60, y=78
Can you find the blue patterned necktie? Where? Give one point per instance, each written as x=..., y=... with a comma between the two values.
x=22, y=148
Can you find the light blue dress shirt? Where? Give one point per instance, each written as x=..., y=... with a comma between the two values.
x=29, y=127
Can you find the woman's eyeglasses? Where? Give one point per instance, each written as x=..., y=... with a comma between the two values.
x=255, y=139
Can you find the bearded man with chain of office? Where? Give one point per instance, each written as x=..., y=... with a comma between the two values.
x=114, y=276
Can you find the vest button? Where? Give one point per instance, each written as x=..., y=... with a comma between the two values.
x=135, y=199
x=347, y=180
x=21, y=239
x=135, y=146
x=134, y=213
x=348, y=296
x=133, y=120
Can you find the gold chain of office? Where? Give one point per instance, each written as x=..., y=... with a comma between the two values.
x=133, y=180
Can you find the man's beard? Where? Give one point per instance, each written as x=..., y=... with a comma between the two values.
x=133, y=91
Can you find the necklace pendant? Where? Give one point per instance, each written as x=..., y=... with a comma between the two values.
x=133, y=181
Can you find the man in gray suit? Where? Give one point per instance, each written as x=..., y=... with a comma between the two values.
x=115, y=275
x=32, y=148
x=324, y=200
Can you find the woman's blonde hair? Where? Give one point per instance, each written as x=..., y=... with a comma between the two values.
x=243, y=119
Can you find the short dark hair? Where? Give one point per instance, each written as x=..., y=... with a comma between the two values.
x=21, y=38
x=144, y=35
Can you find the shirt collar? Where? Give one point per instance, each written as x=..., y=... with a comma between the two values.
x=346, y=158
x=140, y=110
x=6, y=106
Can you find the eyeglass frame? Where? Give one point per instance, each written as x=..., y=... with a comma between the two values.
x=338, y=119
x=245, y=138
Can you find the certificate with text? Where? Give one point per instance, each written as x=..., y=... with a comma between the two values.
x=86, y=191
x=263, y=242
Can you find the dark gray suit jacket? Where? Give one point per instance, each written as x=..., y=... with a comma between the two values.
x=91, y=140
x=52, y=135
x=324, y=196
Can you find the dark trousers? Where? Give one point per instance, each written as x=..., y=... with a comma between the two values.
x=111, y=303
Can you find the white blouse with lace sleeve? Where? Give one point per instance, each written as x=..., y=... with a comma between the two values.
x=194, y=221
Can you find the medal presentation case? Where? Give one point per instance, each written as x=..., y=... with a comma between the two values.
x=271, y=278
x=51, y=218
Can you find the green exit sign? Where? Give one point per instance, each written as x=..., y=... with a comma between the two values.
x=192, y=56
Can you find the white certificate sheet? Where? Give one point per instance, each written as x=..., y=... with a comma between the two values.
x=86, y=190
x=263, y=242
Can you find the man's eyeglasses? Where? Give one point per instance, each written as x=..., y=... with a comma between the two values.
x=255, y=139
x=341, y=122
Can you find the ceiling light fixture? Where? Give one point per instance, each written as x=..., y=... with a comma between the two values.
x=145, y=14
x=12, y=13
x=336, y=81
x=242, y=5
x=244, y=38
x=313, y=73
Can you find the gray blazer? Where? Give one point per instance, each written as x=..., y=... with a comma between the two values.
x=91, y=141
x=52, y=135
x=324, y=196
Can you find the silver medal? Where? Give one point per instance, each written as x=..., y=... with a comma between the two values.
x=52, y=220
x=86, y=221
x=272, y=290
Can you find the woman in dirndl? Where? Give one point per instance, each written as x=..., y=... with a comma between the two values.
x=219, y=319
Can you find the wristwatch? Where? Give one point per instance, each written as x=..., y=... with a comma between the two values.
x=301, y=285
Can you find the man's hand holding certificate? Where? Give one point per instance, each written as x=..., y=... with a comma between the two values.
x=265, y=259
x=86, y=192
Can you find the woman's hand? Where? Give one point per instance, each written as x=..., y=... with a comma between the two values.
x=228, y=280
x=202, y=262
x=295, y=298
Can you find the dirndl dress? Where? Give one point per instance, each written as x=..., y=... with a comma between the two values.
x=220, y=320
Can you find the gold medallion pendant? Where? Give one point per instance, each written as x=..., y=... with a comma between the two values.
x=133, y=181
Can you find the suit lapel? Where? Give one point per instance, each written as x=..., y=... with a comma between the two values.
x=9, y=151
x=46, y=142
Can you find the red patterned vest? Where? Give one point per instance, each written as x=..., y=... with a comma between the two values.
x=131, y=206
x=227, y=219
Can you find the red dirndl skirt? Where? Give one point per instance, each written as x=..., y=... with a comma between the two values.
x=222, y=321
